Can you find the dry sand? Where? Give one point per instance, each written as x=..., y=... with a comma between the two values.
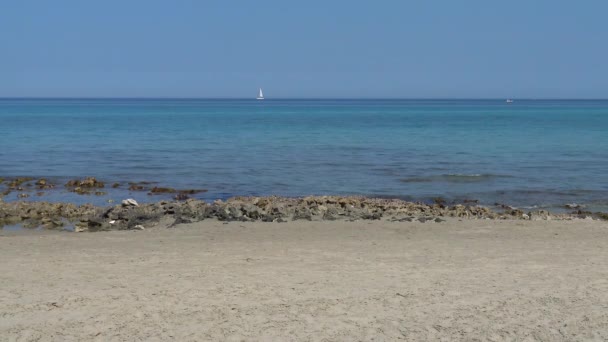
x=309, y=281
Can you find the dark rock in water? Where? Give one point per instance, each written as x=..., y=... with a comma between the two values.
x=115, y=185
x=23, y=195
x=40, y=193
x=439, y=200
x=137, y=187
x=100, y=193
x=504, y=206
x=160, y=190
x=466, y=200
x=192, y=191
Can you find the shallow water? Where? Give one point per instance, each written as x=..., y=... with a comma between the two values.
x=529, y=153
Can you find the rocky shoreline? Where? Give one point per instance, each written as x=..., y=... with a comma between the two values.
x=132, y=215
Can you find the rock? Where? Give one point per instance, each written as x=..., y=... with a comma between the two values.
x=130, y=214
x=89, y=182
x=192, y=191
x=139, y=227
x=44, y=184
x=115, y=185
x=602, y=216
x=439, y=200
x=81, y=191
x=23, y=195
x=136, y=187
x=573, y=206
x=15, y=183
x=159, y=190
x=50, y=223
x=80, y=228
x=539, y=215
x=129, y=202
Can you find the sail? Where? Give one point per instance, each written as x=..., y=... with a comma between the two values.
x=261, y=95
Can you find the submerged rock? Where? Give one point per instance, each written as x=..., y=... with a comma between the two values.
x=192, y=191
x=160, y=190
x=136, y=187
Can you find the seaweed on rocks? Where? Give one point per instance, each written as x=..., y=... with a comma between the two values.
x=84, y=186
x=16, y=183
x=43, y=184
x=89, y=182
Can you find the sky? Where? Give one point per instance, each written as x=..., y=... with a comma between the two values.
x=304, y=49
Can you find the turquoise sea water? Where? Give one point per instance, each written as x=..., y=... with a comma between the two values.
x=529, y=153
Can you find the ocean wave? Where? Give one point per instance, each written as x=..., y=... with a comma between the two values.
x=454, y=178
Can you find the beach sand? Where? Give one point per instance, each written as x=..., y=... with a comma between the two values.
x=483, y=280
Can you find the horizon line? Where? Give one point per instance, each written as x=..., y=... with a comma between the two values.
x=300, y=98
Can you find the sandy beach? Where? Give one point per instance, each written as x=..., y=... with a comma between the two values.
x=484, y=280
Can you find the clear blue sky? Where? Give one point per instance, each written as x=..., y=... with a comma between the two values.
x=227, y=48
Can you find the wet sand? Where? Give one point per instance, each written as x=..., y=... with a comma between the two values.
x=308, y=281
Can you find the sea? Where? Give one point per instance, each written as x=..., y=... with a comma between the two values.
x=528, y=154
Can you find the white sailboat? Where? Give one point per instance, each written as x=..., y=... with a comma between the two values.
x=260, y=95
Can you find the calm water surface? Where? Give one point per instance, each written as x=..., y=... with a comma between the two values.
x=543, y=153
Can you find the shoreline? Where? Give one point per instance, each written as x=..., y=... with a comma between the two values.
x=103, y=192
x=130, y=214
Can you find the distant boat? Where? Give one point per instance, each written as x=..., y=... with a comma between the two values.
x=260, y=95
x=508, y=100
